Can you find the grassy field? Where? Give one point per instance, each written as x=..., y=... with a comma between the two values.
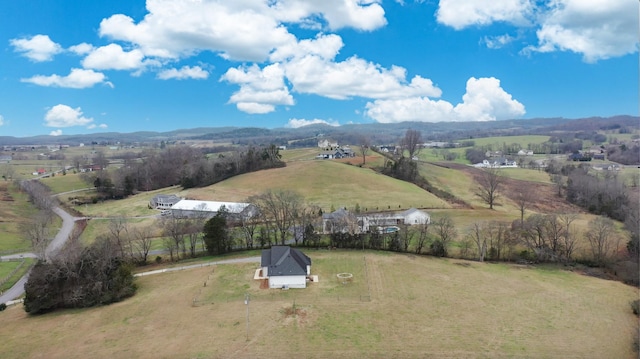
x=327, y=184
x=498, y=142
x=419, y=307
x=65, y=183
x=7, y=268
x=14, y=209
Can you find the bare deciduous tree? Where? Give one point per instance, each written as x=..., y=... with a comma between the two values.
x=445, y=229
x=174, y=229
x=406, y=236
x=37, y=231
x=477, y=235
x=141, y=243
x=364, y=148
x=281, y=208
x=524, y=200
x=602, y=239
x=411, y=142
x=119, y=231
x=568, y=237
x=490, y=183
x=423, y=235
x=497, y=235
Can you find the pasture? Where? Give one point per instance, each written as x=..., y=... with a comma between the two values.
x=328, y=184
x=14, y=210
x=419, y=307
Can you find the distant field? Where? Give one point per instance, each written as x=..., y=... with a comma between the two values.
x=420, y=307
x=497, y=142
x=525, y=174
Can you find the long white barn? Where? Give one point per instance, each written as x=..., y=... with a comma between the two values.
x=193, y=208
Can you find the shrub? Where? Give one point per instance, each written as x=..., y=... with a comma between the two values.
x=438, y=248
x=635, y=306
x=3, y=306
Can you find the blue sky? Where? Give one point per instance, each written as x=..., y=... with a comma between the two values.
x=77, y=66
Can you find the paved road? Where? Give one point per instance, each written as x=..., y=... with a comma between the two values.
x=56, y=244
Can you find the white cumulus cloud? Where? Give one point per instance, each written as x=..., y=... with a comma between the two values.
x=77, y=79
x=300, y=122
x=38, y=48
x=185, y=72
x=113, y=57
x=81, y=49
x=260, y=89
x=236, y=30
x=65, y=116
x=354, y=77
x=484, y=100
x=463, y=13
x=597, y=29
x=55, y=133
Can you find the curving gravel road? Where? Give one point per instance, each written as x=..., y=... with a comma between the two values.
x=56, y=244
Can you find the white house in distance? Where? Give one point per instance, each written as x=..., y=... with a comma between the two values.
x=192, y=208
x=326, y=143
x=163, y=201
x=344, y=221
x=285, y=267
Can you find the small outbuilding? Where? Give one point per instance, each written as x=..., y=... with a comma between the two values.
x=285, y=267
x=163, y=201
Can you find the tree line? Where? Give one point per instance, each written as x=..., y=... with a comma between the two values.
x=182, y=165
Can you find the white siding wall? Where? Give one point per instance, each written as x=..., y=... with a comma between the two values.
x=416, y=218
x=292, y=281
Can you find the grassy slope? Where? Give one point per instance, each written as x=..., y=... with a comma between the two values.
x=328, y=184
x=443, y=309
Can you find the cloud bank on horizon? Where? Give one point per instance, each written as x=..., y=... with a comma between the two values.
x=276, y=52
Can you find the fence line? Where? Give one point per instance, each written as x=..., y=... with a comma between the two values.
x=14, y=251
x=14, y=271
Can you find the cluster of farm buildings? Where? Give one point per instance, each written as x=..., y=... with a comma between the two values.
x=282, y=266
x=340, y=220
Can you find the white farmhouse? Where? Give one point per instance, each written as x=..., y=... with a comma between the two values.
x=285, y=267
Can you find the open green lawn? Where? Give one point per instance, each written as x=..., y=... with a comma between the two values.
x=299, y=154
x=14, y=210
x=419, y=307
x=65, y=183
x=525, y=174
x=7, y=268
x=133, y=206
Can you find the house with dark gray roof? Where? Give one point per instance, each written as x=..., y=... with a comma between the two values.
x=285, y=267
x=163, y=201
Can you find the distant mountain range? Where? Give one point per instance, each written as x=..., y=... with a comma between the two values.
x=377, y=133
